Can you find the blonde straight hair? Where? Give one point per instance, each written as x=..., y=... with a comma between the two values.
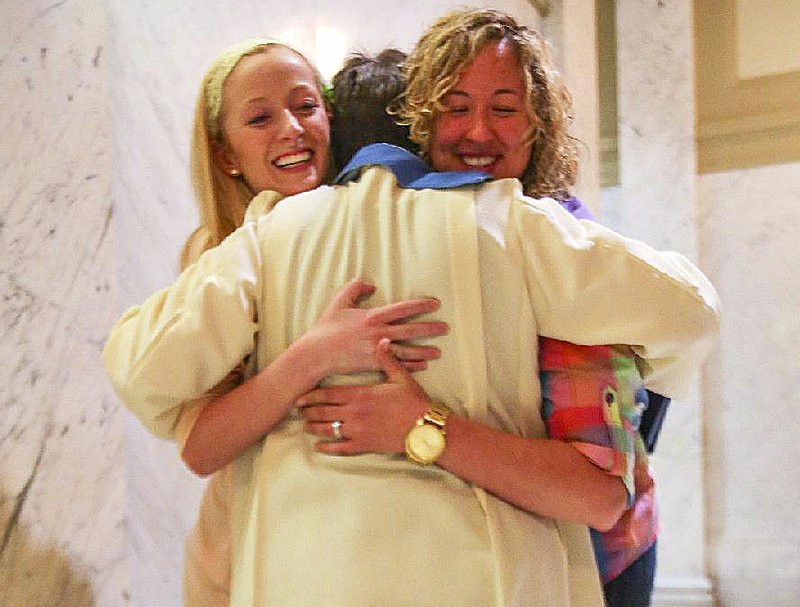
x=221, y=198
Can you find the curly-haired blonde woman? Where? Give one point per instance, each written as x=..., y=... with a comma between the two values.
x=437, y=64
x=455, y=61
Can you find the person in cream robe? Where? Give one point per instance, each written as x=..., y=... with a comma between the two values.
x=376, y=529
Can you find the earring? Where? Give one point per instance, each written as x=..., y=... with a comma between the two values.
x=235, y=173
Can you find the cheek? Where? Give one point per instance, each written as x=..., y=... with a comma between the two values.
x=319, y=132
x=513, y=132
x=322, y=137
x=446, y=132
x=321, y=127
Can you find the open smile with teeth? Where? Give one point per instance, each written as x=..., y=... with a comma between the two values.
x=479, y=161
x=290, y=160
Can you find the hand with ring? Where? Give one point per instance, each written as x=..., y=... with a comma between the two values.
x=369, y=418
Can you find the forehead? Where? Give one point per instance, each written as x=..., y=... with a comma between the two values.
x=275, y=70
x=496, y=67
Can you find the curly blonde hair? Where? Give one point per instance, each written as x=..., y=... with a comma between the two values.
x=447, y=48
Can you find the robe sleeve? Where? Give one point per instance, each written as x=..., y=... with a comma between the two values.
x=185, y=339
x=589, y=285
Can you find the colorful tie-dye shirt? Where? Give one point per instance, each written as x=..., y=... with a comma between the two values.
x=593, y=398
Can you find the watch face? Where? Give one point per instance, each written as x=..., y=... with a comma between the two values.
x=425, y=443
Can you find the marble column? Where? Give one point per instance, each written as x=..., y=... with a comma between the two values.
x=570, y=27
x=62, y=500
x=656, y=201
x=750, y=220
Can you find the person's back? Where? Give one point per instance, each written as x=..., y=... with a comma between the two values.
x=408, y=243
x=476, y=250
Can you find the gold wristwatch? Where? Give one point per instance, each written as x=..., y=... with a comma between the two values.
x=425, y=441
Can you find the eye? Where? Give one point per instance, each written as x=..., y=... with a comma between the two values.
x=504, y=110
x=258, y=119
x=307, y=107
x=457, y=110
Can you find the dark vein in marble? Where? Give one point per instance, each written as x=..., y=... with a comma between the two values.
x=24, y=31
x=23, y=495
x=104, y=233
x=43, y=12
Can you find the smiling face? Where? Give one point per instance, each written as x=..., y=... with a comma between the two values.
x=274, y=123
x=485, y=122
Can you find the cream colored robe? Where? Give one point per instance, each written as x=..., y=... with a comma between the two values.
x=311, y=529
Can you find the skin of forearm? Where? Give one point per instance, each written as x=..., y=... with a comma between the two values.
x=544, y=476
x=235, y=421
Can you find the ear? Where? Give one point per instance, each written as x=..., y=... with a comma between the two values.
x=225, y=160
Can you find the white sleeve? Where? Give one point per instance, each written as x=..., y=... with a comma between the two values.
x=589, y=285
x=185, y=339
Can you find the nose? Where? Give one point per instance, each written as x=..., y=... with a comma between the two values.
x=479, y=129
x=290, y=125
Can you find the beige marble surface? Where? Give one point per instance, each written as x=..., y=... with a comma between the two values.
x=93, y=510
x=61, y=455
x=750, y=222
x=657, y=202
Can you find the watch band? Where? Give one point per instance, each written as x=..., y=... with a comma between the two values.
x=437, y=414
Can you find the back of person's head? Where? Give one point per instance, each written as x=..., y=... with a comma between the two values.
x=221, y=197
x=365, y=94
x=449, y=46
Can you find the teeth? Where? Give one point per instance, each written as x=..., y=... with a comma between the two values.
x=478, y=161
x=290, y=159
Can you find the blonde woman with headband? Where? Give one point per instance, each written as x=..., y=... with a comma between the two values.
x=262, y=127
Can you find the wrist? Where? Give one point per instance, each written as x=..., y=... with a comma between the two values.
x=305, y=361
x=425, y=441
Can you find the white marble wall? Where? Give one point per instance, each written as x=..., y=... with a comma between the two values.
x=657, y=202
x=570, y=28
x=727, y=484
x=62, y=531
x=93, y=510
x=749, y=224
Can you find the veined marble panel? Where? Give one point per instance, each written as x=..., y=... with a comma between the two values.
x=62, y=466
x=656, y=123
x=656, y=203
x=749, y=224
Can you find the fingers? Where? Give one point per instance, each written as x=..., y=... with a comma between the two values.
x=414, y=330
x=332, y=395
x=325, y=429
x=415, y=353
x=387, y=361
x=321, y=414
x=353, y=293
x=405, y=309
x=414, y=366
x=344, y=447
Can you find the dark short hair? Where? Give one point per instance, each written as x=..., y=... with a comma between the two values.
x=365, y=91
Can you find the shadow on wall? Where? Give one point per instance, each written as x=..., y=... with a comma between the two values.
x=32, y=575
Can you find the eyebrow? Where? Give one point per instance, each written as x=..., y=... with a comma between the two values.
x=300, y=87
x=497, y=92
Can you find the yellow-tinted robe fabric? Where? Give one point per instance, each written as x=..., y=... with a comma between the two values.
x=311, y=529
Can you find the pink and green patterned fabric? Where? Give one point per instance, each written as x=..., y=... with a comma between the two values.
x=593, y=398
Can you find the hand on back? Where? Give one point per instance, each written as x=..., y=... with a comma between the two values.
x=345, y=337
